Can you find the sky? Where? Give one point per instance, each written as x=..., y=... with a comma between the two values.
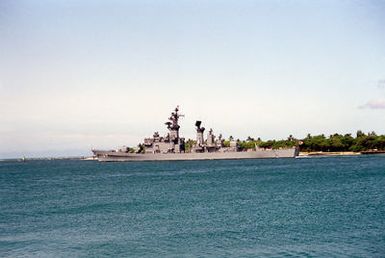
x=76, y=75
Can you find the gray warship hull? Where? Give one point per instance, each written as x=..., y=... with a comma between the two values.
x=109, y=156
x=173, y=147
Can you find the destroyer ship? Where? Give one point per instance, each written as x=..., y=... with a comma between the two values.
x=173, y=147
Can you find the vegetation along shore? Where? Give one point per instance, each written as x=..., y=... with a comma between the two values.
x=335, y=144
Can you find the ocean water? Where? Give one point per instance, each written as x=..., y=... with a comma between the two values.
x=310, y=207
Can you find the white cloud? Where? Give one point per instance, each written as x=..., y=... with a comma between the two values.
x=374, y=104
x=378, y=103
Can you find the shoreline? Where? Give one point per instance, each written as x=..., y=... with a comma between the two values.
x=331, y=153
x=302, y=154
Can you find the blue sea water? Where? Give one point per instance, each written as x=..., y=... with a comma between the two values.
x=314, y=207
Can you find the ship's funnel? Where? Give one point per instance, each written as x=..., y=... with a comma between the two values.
x=198, y=124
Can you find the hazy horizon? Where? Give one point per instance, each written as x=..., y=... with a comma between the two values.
x=94, y=74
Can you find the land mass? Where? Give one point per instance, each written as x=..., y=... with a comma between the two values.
x=335, y=143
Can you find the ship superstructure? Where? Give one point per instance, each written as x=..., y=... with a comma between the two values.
x=173, y=147
x=172, y=142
